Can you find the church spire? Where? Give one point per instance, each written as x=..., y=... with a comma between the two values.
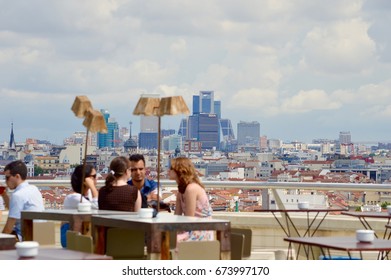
x=12, y=144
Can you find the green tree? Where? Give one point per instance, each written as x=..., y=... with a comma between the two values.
x=37, y=170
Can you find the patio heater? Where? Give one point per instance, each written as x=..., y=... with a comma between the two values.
x=93, y=121
x=152, y=106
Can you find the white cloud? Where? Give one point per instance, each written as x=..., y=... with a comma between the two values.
x=341, y=47
x=306, y=101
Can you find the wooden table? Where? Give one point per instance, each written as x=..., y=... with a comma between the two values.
x=78, y=221
x=157, y=231
x=362, y=216
x=53, y=254
x=315, y=217
x=7, y=241
x=346, y=244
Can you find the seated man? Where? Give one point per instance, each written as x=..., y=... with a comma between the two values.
x=24, y=196
x=148, y=188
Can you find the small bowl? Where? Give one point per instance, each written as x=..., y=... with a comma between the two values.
x=145, y=213
x=365, y=235
x=389, y=209
x=84, y=207
x=27, y=248
x=303, y=205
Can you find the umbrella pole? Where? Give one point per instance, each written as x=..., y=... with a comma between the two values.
x=84, y=166
x=158, y=165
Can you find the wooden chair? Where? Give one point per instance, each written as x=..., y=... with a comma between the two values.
x=71, y=239
x=44, y=233
x=84, y=243
x=237, y=245
x=78, y=242
x=247, y=241
x=125, y=244
x=199, y=250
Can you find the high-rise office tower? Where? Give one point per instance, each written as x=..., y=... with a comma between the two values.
x=196, y=104
x=249, y=133
x=183, y=128
x=147, y=138
x=217, y=108
x=206, y=102
x=111, y=138
x=227, y=130
x=208, y=131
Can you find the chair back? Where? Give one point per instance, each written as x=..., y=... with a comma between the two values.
x=199, y=250
x=71, y=239
x=84, y=243
x=237, y=245
x=247, y=241
x=44, y=233
x=125, y=244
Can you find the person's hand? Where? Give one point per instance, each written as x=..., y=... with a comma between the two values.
x=90, y=183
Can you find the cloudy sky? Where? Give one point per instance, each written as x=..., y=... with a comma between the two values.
x=303, y=69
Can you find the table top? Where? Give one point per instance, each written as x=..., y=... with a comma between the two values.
x=54, y=254
x=349, y=243
x=367, y=214
x=65, y=214
x=163, y=222
x=317, y=210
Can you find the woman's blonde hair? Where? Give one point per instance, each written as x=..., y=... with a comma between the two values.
x=186, y=173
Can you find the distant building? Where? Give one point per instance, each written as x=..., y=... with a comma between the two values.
x=148, y=140
x=110, y=139
x=249, y=133
x=182, y=131
x=130, y=145
x=227, y=130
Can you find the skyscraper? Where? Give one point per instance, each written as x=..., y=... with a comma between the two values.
x=111, y=138
x=182, y=131
x=207, y=102
x=147, y=138
x=208, y=131
x=196, y=104
x=227, y=130
x=249, y=133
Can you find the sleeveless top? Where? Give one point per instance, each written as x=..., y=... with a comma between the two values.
x=203, y=210
x=118, y=198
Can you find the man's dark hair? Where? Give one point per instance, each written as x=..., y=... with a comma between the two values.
x=137, y=157
x=17, y=167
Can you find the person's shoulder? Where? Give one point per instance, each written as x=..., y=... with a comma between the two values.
x=193, y=187
x=150, y=183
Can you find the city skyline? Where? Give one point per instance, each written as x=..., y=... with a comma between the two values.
x=303, y=70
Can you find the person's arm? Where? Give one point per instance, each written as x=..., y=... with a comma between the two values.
x=9, y=225
x=90, y=185
x=137, y=205
x=190, y=196
x=152, y=195
x=6, y=199
x=178, y=206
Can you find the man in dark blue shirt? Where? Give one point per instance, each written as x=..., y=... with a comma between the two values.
x=148, y=188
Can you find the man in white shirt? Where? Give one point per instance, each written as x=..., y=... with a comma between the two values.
x=24, y=196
